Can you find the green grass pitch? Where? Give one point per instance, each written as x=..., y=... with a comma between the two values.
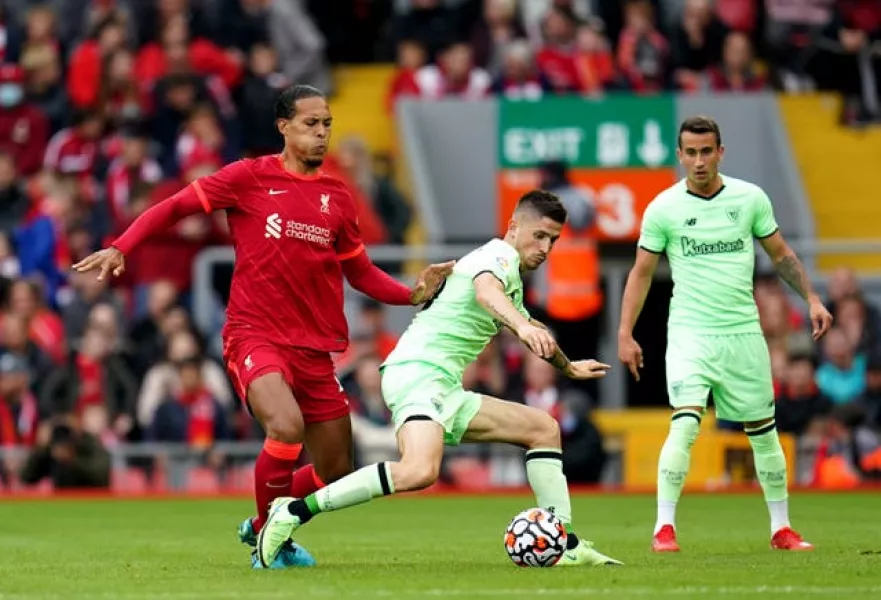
x=434, y=547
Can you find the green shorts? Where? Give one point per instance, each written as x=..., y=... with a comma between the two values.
x=415, y=388
x=737, y=368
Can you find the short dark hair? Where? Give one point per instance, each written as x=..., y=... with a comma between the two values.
x=286, y=104
x=544, y=204
x=700, y=124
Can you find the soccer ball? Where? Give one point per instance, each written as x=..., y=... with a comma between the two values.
x=535, y=538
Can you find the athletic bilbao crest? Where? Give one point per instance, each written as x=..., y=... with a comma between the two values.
x=733, y=214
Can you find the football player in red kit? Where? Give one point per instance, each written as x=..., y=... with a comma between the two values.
x=295, y=233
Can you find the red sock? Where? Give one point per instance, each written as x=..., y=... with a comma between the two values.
x=272, y=476
x=305, y=481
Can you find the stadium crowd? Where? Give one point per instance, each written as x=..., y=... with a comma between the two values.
x=109, y=106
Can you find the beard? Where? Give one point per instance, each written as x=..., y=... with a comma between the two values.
x=314, y=163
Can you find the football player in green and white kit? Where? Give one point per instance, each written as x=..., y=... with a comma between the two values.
x=422, y=386
x=706, y=224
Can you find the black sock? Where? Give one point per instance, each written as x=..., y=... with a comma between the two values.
x=571, y=541
x=298, y=508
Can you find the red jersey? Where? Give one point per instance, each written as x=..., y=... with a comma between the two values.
x=290, y=233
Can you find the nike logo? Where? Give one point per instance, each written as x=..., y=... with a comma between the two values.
x=284, y=485
x=276, y=192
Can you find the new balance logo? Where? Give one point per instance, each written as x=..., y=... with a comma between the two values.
x=325, y=203
x=690, y=222
x=276, y=192
x=273, y=226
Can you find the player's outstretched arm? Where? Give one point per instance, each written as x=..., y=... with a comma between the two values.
x=158, y=217
x=490, y=294
x=792, y=271
x=372, y=281
x=639, y=281
x=579, y=369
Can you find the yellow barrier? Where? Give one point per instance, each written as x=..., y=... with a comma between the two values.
x=718, y=458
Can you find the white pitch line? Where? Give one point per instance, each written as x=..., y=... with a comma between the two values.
x=463, y=592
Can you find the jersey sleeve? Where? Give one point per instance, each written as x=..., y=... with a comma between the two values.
x=348, y=241
x=764, y=223
x=222, y=189
x=653, y=235
x=490, y=259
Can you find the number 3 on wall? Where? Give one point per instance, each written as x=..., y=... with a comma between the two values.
x=616, y=209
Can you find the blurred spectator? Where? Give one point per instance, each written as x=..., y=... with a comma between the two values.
x=45, y=328
x=792, y=30
x=10, y=36
x=87, y=292
x=262, y=84
x=851, y=317
x=849, y=452
x=79, y=17
x=534, y=14
x=737, y=72
x=163, y=380
x=856, y=26
x=555, y=58
x=299, y=43
x=497, y=27
x=94, y=374
x=454, y=75
x=146, y=335
x=643, y=53
x=122, y=97
x=411, y=56
x=44, y=84
x=15, y=342
x=696, y=43
x=86, y=68
x=41, y=33
x=376, y=196
x=371, y=336
x=800, y=405
x=429, y=21
x=14, y=204
x=190, y=414
x=372, y=428
x=519, y=78
x=68, y=456
x=201, y=136
x=593, y=59
x=19, y=412
x=871, y=400
x=128, y=173
x=843, y=377
x=24, y=129
x=202, y=56
x=75, y=150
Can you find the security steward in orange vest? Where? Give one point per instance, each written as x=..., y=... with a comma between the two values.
x=565, y=292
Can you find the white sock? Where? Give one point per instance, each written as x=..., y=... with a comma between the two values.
x=779, y=511
x=666, y=514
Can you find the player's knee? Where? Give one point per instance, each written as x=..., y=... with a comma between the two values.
x=338, y=468
x=284, y=426
x=412, y=476
x=685, y=426
x=539, y=430
x=546, y=432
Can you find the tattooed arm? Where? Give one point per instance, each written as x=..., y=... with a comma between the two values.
x=791, y=270
x=559, y=360
x=490, y=294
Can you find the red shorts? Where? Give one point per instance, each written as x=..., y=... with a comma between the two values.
x=309, y=373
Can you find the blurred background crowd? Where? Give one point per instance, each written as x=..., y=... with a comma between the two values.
x=108, y=106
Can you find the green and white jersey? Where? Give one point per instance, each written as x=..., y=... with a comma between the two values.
x=453, y=329
x=709, y=244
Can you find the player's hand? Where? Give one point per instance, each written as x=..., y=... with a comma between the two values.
x=821, y=318
x=429, y=281
x=109, y=260
x=538, y=340
x=587, y=369
x=630, y=353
